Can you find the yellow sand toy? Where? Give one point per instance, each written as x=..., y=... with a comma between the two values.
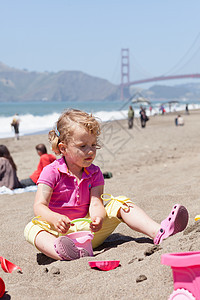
x=197, y=218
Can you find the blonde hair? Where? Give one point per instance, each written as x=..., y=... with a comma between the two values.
x=65, y=127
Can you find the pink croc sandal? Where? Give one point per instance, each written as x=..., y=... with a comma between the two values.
x=67, y=250
x=174, y=223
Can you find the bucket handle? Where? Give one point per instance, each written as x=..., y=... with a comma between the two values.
x=81, y=220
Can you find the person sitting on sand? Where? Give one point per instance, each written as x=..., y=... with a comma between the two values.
x=45, y=159
x=179, y=121
x=8, y=170
x=72, y=187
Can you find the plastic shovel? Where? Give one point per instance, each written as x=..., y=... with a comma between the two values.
x=2, y=287
x=104, y=265
x=7, y=266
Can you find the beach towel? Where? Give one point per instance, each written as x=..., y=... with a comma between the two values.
x=5, y=190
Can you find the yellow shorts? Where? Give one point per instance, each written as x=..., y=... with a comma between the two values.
x=111, y=221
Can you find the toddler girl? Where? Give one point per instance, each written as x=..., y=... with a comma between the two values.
x=71, y=187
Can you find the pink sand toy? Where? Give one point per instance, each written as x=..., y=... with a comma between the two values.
x=82, y=239
x=104, y=265
x=186, y=274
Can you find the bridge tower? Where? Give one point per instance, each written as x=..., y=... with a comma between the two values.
x=125, y=75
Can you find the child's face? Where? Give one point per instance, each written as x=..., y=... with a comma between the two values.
x=81, y=149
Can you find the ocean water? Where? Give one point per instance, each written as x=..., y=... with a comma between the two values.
x=40, y=117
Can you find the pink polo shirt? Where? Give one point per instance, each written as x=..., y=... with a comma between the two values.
x=69, y=197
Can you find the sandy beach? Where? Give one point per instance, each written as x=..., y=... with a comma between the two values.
x=155, y=167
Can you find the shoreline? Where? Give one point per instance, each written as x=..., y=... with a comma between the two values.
x=45, y=131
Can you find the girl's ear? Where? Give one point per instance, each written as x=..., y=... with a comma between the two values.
x=62, y=147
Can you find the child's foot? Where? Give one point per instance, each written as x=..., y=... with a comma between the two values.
x=174, y=223
x=67, y=250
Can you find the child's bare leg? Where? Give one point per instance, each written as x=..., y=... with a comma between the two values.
x=139, y=221
x=44, y=241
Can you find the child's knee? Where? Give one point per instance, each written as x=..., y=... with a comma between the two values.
x=31, y=231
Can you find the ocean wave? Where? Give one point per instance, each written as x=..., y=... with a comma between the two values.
x=31, y=124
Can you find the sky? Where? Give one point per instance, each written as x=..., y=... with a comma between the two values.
x=88, y=35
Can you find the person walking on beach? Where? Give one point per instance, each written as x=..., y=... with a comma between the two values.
x=143, y=117
x=45, y=159
x=15, y=124
x=162, y=109
x=72, y=187
x=187, y=109
x=130, y=117
x=8, y=170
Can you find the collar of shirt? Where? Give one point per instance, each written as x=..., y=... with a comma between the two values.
x=62, y=167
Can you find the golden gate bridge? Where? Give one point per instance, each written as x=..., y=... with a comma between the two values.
x=125, y=74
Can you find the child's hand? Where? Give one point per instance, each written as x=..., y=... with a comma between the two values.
x=61, y=223
x=96, y=224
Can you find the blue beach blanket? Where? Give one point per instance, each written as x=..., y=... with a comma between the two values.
x=5, y=190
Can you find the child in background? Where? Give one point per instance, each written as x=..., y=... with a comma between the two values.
x=71, y=187
x=45, y=159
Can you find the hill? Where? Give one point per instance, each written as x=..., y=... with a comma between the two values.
x=22, y=85
x=189, y=91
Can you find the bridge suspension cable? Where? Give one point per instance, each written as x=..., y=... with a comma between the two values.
x=184, y=56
